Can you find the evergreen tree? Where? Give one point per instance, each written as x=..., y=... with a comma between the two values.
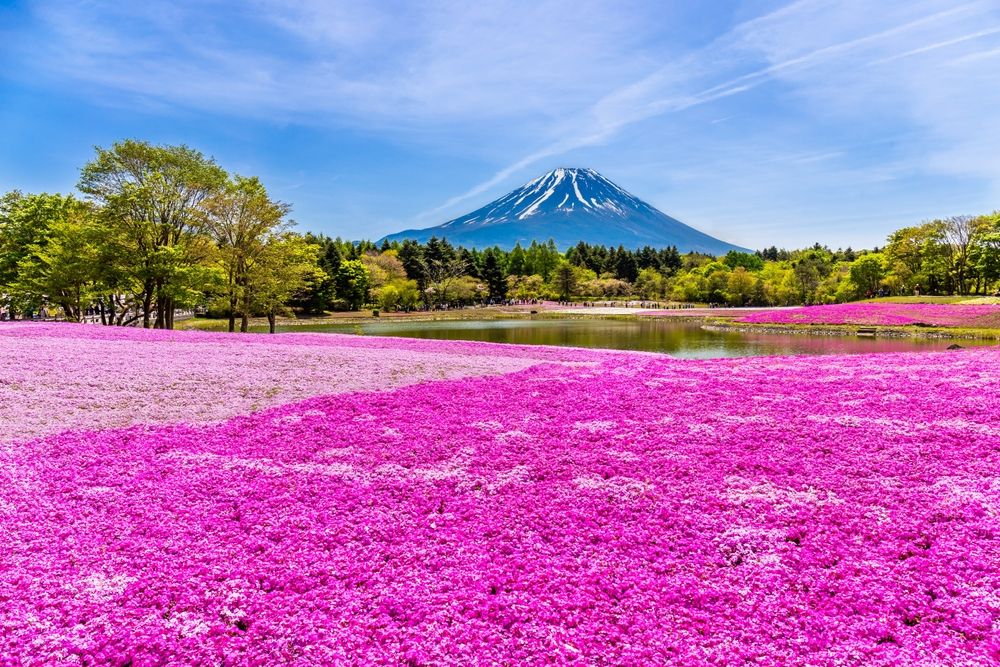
x=411, y=254
x=472, y=261
x=625, y=265
x=517, y=262
x=494, y=273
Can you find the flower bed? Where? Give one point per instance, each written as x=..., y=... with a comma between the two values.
x=59, y=376
x=639, y=510
x=884, y=314
x=709, y=312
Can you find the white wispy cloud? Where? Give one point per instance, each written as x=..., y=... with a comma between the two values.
x=915, y=80
x=813, y=84
x=370, y=63
x=939, y=45
x=790, y=41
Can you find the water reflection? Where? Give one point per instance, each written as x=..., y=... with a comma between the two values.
x=680, y=339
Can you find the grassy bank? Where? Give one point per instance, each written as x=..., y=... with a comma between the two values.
x=722, y=324
x=360, y=317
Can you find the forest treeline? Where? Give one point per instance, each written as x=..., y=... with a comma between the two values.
x=158, y=229
x=958, y=255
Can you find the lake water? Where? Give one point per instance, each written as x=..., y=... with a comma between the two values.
x=676, y=338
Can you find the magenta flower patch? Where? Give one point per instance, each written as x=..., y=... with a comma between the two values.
x=884, y=314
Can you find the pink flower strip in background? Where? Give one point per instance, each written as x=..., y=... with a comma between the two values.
x=884, y=314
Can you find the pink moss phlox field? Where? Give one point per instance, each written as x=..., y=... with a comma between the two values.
x=772, y=511
x=884, y=314
x=706, y=312
x=59, y=376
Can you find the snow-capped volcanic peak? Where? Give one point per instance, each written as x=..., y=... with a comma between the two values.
x=564, y=189
x=568, y=206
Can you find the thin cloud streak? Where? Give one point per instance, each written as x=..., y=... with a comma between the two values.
x=734, y=86
x=939, y=45
x=979, y=55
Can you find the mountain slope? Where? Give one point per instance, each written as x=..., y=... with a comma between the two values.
x=570, y=205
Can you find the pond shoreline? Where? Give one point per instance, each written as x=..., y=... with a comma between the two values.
x=715, y=323
x=466, y=315
x=941, y=333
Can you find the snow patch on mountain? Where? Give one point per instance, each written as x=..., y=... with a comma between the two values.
x=570, y=205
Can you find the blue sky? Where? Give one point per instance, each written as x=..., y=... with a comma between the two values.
x=759, y=122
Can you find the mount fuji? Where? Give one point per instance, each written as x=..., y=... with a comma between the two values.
x=570, y=205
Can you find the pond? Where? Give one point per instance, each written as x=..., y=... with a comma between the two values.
x=677, y=338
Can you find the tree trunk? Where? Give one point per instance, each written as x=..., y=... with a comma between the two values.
x=147, y=304
x=231, y=293
x=270, y=321
x=160, y=306
x=232, y=309
x=121, y=312
x=67, y=306
x=245, y=314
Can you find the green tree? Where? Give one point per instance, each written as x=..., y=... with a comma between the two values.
x=960, y=233
x=650, y=284
x=748, y=261
x=352, y=284
x=64, y=267
x=153, y=193
x=565, y=278
x=494, y=274
x=907, y=254
x=285, y=265
x=320, y=295
x=398, y=295
x=25, y=226
x=985, y=254
x=740, y=286
x=411, y=254
x=517, y=262
x=808, y=274
x=867, y=272
x=443, y=273
x=689, y=287
x=836, y=286
x=717, y=277
x=242, y=219
x=388, y=285
x=525, y=287
x=383, y=268
x=626, y=268
x=466, y=289
x=16, y=235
